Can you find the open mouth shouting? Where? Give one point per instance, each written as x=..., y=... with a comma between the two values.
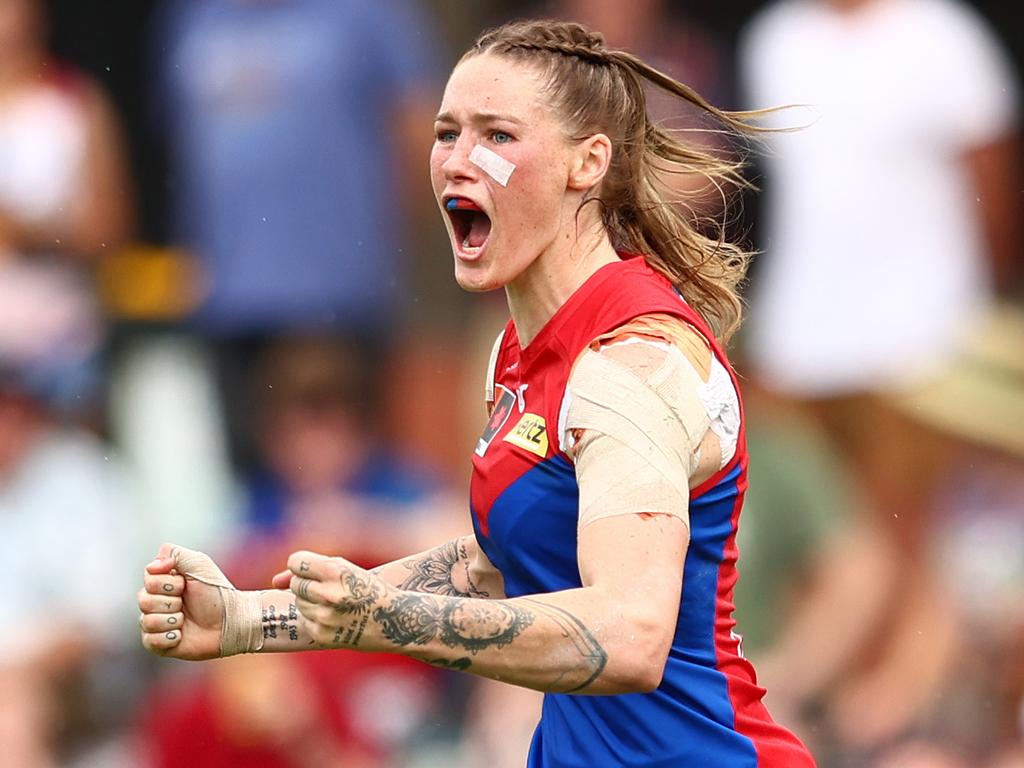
x=471, y=227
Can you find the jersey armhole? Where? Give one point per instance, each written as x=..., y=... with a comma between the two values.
x=492, y=366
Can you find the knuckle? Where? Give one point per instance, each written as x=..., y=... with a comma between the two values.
x=153, y=643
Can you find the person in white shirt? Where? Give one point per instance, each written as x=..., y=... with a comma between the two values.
x=892, y=220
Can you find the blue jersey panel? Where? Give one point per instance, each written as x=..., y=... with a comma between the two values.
x=532, y=527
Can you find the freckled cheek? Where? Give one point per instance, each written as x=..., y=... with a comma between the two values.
x=536, y=190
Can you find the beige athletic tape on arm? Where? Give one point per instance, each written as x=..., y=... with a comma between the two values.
x=242, y=620
x=652, y=427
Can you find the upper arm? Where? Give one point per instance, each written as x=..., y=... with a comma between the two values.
x=649, y=414
x=637, y=561
x=635, y=466
x=995, y=169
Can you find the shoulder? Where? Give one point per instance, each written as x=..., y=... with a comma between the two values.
x=656, y=329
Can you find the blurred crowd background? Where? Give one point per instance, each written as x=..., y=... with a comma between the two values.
x=227, y=320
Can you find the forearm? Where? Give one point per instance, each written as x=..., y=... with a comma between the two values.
x=449, y=569
x=537, y=642
x=545, y=642
x=575, y=641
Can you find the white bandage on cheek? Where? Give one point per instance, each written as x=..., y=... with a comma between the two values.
x=491, y=163
x=655, y=425
x=242, y=620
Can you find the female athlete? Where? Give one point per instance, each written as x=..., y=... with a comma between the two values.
x=608, y=480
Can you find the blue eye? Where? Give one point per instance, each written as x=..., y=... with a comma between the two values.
x=500, y=137
x=446, y=137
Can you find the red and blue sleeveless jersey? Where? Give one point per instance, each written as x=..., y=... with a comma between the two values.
x=707, y=711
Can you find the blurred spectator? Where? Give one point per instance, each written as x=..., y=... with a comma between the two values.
x=327, y=478
x=975, y=409
x=65, y=197
x=328, y=481
x=64, y=187
x=68, y=523
x=69, y=557
x=298, y=132
x=890, y=212
x=890, y=219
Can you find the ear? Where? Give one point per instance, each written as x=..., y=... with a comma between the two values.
x=590, y=162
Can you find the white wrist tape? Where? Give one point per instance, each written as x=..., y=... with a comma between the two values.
x=241, y=628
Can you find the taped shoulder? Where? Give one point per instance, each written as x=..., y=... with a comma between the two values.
x=668, y=329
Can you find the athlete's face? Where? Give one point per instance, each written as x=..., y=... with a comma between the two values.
x=500, y=105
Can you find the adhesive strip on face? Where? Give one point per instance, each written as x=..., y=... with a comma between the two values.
x=491, y=163
x=649, y=421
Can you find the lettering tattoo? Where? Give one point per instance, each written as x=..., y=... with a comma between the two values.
x=286, y=623
x=434, y=572
x=411, y=619
x=351, y=635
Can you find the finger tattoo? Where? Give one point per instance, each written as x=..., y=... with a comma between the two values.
x=303, y=566
x=302, y=589
x=168, y=587
x=171, y=635
x=172, y=619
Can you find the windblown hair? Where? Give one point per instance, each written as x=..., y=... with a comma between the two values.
x=595, y=89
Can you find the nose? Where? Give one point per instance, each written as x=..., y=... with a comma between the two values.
x=456, y=166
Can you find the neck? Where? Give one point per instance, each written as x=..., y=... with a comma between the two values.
x=535, y=296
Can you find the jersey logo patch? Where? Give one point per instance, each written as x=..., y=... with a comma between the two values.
x=499, y=415
x=530, y=434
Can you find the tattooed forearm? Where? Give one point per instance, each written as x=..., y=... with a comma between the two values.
x=434, y=572
x=285, y=622
x=565, y=657
x=592, y=657
x=411, y=619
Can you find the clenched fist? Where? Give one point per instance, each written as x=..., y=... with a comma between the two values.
x=335, y=598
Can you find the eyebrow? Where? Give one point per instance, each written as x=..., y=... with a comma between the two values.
x=479, y=117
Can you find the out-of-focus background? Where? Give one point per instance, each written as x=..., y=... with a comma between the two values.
x=227, y=320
